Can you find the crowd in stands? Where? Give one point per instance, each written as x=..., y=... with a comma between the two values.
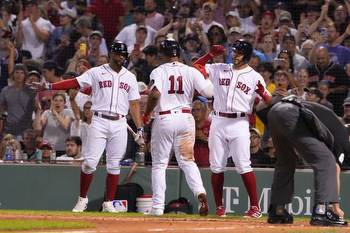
x=300, y=47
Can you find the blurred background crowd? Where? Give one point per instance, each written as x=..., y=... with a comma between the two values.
x=300, y=47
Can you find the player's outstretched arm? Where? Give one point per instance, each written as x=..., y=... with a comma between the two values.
x=216, y=50
x=61, y=85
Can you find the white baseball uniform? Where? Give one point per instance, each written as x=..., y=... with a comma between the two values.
x=111, y=93
x=174, y=126
x=234, y=96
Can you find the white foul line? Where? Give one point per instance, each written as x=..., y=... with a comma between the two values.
x=190, y=229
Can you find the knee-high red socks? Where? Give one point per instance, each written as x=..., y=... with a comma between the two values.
x=217, y=183
x=250, y=184
x=85, y=181
x=111, y=186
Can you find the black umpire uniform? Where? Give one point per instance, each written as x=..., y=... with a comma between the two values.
x=316, y=134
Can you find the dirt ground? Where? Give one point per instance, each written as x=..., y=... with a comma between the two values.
x=178, y=225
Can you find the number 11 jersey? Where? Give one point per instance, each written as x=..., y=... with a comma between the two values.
x=177, y=83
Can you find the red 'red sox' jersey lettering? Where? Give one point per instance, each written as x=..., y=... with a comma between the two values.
x=104, y=84
x=243, y=87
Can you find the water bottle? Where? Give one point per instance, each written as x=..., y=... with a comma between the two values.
x=9, y=153
x=140, y=158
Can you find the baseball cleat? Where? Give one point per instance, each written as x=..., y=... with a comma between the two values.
x=81, y=205
x=253, y=212
x=203, y=205
x=108, y=206
x=220, y=211
x=279, y=215
x=156, y=212
x=329, y=218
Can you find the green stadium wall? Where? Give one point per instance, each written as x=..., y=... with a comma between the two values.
x=56, y=187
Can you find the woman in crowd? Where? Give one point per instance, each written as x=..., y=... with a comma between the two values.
x=55, y=123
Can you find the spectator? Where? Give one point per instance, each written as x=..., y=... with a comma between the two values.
x=306, y=48
x=284, y=61
x=61, y=33
x=18, y=101
x=269, y=47
x=30, y=151
x=341, y=18
x=346, y=106
x=95, y=41
x=9, y=143
x=84, y=27
x=265, y=28
x=257, y=155
x=8, y=19
x=281, y=79
x=50, y=72
x=34, y=31
x=110, y=13
x=55, y=123
x=128, y=5
x=73, y=150
x=216, y=35
x=315, y=95
x=201, y=149
x=285, y=20
x=208, y=13
x=302, y=83
x=232, y=20
x=33, y=76
x=153, y=19
x=250, y=37
x=323, y=87
x=288, y=43
x=127, y=34
x=8, y=56
x=338, y=53
x=248, y=15
x=48, y=153
x=140, y=39
x=151, y=57
x=324, y=69
x=80, y=126
x=191, y=47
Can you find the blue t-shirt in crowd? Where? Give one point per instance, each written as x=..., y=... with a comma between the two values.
x=339, y=54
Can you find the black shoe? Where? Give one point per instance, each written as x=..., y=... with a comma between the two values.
x=327, y=219
x=279, y=215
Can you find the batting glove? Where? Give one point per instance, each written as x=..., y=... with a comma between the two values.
x=217, y=50
x=265, y=95
x=146, y=119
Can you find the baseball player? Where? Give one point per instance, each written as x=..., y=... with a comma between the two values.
x=236, y=86
x=172, y=88
x=114, y=92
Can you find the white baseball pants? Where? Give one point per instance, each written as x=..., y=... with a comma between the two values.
x=109, y=135
x=173, y=131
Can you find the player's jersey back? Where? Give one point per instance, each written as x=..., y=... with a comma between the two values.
x=176, y=82
x=234, y=90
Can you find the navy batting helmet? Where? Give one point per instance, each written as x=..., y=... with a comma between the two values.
x=119, y=48
x=244, y=48
x=170, y=48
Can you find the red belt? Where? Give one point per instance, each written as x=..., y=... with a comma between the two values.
x=185, y=110
x=112, y=118
x=230, y=115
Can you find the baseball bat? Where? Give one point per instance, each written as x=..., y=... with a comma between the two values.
x=131, y=131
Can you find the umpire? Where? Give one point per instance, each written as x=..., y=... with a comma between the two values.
x=294, y=127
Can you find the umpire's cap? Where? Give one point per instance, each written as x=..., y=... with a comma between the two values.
x=244, y=48
x=170, y=48
x=119, y=48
